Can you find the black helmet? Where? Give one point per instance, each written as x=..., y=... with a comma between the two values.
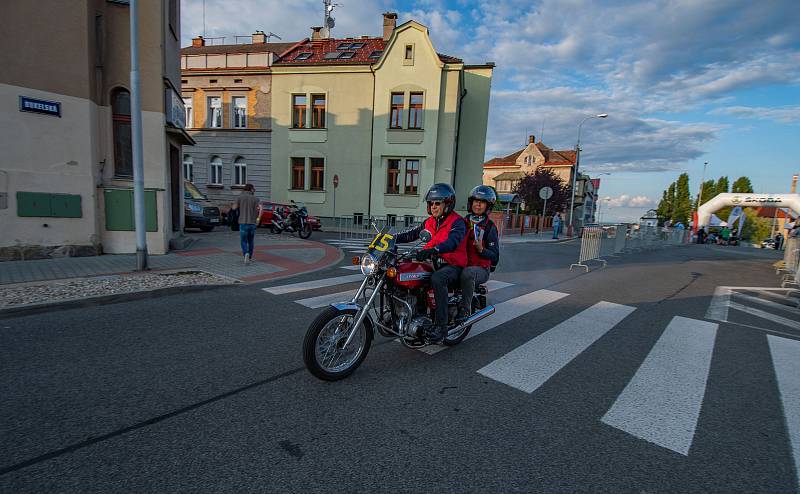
x=482, y=193
x=441, y=192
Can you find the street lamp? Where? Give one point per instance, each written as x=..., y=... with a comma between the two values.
x=577, y=163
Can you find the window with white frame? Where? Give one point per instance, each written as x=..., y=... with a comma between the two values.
x=239, y=112
x=215, y=112
x=187, y=105
x=412, y=177
x=239, y=171
x=188, y=168
x=215, y=171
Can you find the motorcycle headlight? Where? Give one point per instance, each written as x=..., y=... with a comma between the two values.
x=367, y=265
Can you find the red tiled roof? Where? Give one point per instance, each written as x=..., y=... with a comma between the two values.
x=245, y=48
x=510, y=160
x=551, y=157
x=318, y=49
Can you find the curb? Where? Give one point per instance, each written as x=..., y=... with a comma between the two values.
x=41, y=307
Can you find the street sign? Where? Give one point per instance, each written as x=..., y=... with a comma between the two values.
x=546, y=193
x=335, y=181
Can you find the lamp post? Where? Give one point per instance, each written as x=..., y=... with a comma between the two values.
x=577, y=163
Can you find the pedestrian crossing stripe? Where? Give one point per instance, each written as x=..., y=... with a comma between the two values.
x=313, y=284
x=785, y=354
x=530, y=365
x=504, y=312
x=661, y=403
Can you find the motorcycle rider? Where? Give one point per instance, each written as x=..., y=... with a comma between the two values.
x=448, y=243
x=483, y=247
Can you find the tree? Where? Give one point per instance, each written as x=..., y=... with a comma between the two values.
x=664, y=207
x=742, y=185
x=755, y=229
x=682, y=208
x=722, y=186
x=528, y=189
x=709, y=191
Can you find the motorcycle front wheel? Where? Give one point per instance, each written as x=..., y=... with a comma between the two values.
x=305, y=232
x=323, y=346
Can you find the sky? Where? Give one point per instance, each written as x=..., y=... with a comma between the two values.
x=684, y=81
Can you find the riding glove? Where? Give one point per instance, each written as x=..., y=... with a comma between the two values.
x=425, y=254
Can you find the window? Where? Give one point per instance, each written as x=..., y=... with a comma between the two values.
x=412, y=177
x=239, y=171
x=188, y=168
x=408, y=221
x=299, y=111
x=415, y=111
x=237, y=81
x=376, y=54
x=331, y=55
x=317, y=173
x=347, y=54
x=391, y=220
x=409, y=52
x=239, y=112
x=393, y=177
x=357, y=46
x=396, y=117
x=318, y=111
x=303, y=56
x=215, y=171
x=343, y=46
x=215, y=112
x=121, y=119
x=187, y=105
x=298, y=173
x=358, y=218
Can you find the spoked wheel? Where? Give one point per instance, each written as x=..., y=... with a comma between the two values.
x=305, y=232
x=323, y=347
x=455, y=339
x=276, y=230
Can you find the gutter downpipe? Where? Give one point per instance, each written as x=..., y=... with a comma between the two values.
x=458, y=129
x=371, y=139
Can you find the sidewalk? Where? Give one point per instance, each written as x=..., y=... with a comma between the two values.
x=276, y=256
x=542, y=237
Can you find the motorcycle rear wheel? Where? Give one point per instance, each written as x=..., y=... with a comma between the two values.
x=305, y=232
x=459, y=337
x=322, y=346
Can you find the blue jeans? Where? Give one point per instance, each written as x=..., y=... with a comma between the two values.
x=247, y=234
x=556, y=227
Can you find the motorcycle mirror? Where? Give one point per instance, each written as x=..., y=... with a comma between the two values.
x=425, y=236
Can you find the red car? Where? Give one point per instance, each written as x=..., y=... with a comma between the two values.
x=268, y=208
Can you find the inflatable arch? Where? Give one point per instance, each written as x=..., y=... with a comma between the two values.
x=791, y=201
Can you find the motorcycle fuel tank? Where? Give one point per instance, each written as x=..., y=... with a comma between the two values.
x=413, y=274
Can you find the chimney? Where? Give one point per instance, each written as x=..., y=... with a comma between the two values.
x=532, y=139
x=198, y=41
x=259, y=37
x=389, y=23
x=315, y=33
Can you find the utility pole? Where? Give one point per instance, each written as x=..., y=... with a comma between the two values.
x=136, y=142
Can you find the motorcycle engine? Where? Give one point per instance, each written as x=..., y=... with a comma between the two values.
x=416, y=327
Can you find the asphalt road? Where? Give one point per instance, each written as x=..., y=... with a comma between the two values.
x=615, y=382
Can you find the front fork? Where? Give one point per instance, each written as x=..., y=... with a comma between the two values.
x=362, y=313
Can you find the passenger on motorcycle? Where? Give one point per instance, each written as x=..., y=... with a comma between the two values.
x=448, y=244
x=483, y=248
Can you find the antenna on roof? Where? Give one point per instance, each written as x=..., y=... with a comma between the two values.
x=272, y=35
x=541, y=134
x=329, y=22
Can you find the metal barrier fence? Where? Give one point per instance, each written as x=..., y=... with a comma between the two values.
x=598, y=242
x=790, y=267
x=359, y=227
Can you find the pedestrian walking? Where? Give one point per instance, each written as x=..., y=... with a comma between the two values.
x=248, y=206
x=778, y=240
x=556, y=224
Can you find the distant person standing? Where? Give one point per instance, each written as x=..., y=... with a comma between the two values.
x=248, y=206
x=726, y=235
x=556, y=224
x=778, y=240
x=701, y=235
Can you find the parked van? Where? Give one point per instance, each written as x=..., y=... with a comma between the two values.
x=198, y=210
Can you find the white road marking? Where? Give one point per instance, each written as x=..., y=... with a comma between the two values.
x=530, y=365
x=310, y=285
x=766, y=315
x=786, y=362
x=506, y=311
x=767, y=303
x=323, y=300
x=351, y=267
x=720, y=302
x=661, y=404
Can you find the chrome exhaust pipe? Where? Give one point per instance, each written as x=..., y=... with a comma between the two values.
x=481, y=314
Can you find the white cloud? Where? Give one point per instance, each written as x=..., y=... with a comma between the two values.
x=627, y=201
x=787, y=114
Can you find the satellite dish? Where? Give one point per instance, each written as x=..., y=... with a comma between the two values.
x=330, y=22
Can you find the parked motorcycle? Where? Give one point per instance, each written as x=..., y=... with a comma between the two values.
x=293, y=220
x=401, y=304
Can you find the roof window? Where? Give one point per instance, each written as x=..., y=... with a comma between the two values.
x=356, y=46
x=347, y=54
x=331, y=55
x=344, y=46
x=303, y=56
x=376, y=54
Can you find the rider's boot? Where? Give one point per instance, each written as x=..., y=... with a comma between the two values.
x=463, y=314
x=436, y=334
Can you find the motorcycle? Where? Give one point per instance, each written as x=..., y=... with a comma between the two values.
x=295, y=219
x=401, y=305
